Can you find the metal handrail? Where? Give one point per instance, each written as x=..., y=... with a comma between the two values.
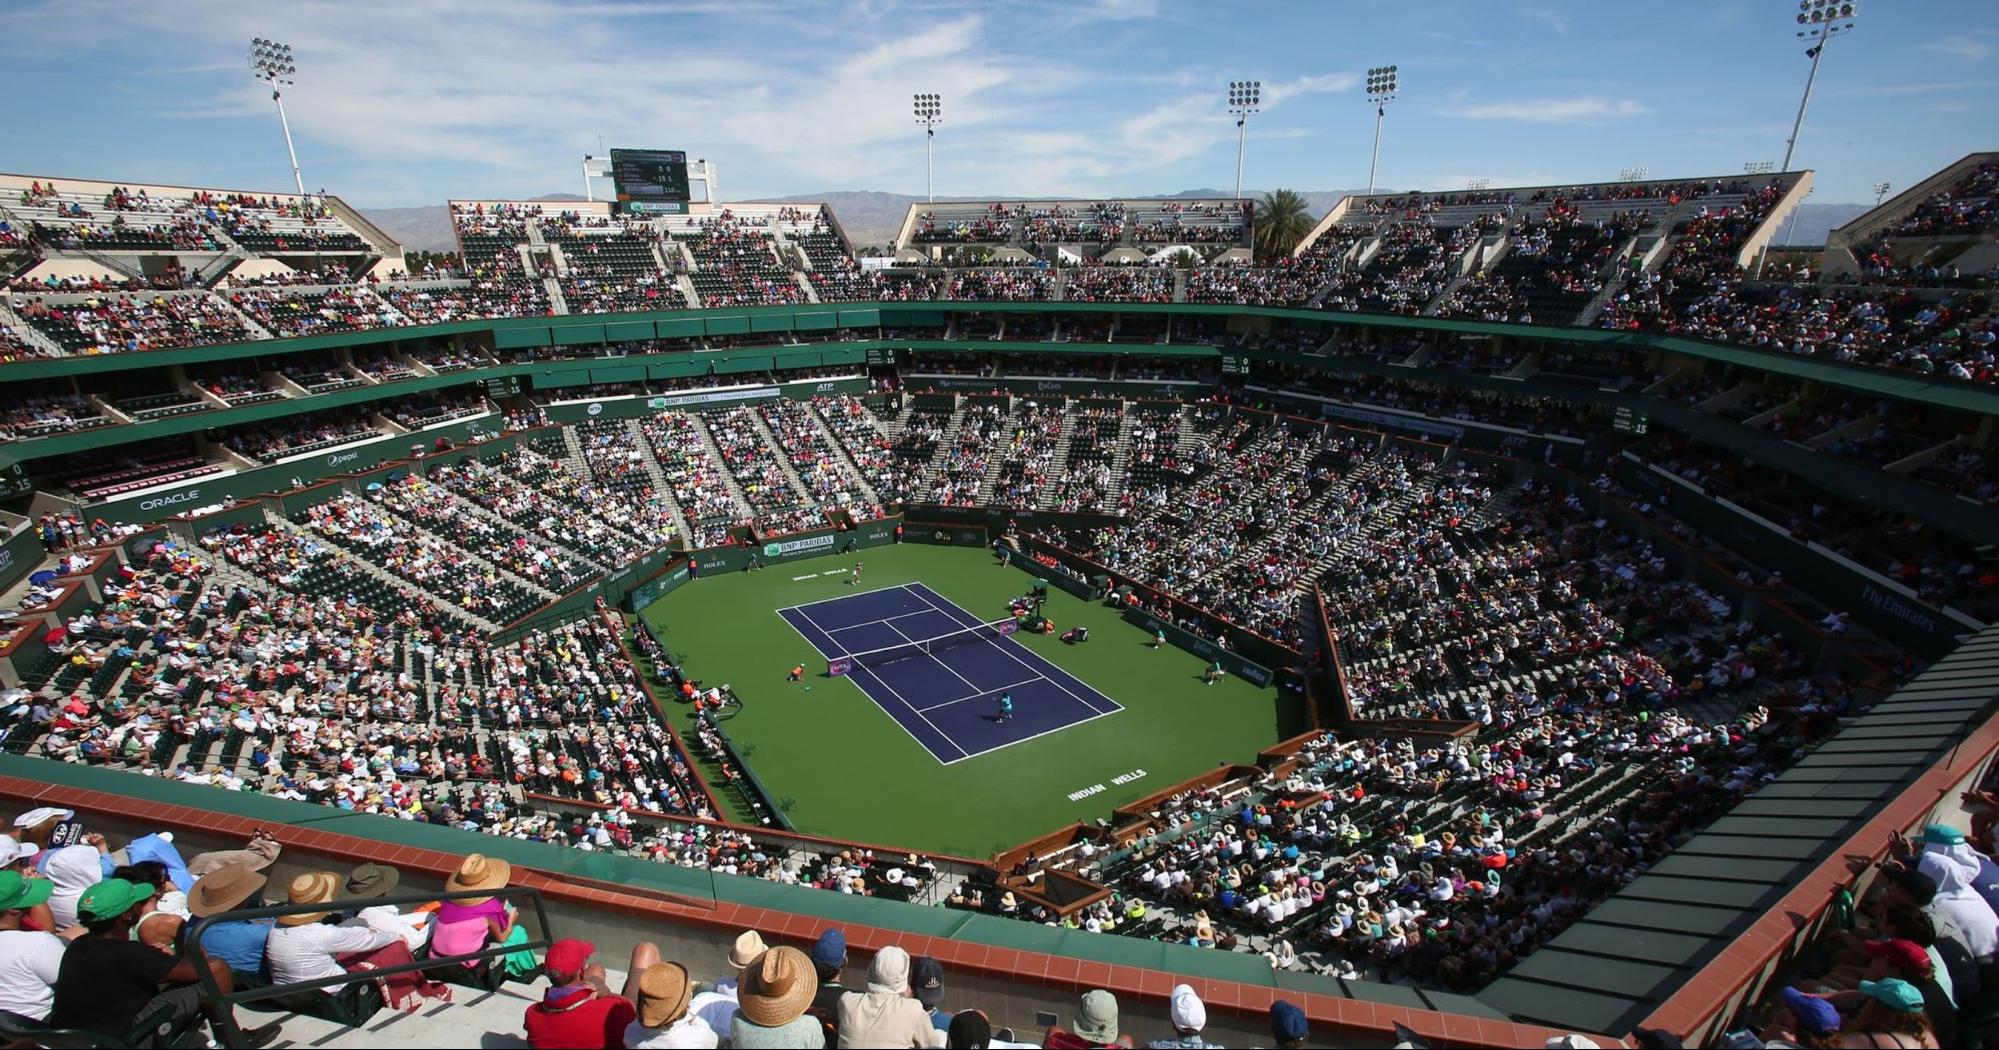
x=229, y=1033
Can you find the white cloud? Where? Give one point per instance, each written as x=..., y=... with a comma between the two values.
x=1554, y=20
x=1973, y=46
x=1582, y=110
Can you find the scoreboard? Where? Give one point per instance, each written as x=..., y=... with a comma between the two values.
x=645, y=179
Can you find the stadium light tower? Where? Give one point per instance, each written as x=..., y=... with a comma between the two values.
x=1819, y=21
x=1381, y=86
x=1477, y=185
x=1637, y=174
x=1245, y=97
x=1759, y=167
x=929, y=113
x=1881, y=190
x=271, y=62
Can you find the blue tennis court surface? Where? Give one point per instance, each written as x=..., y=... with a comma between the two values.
x=948, y=700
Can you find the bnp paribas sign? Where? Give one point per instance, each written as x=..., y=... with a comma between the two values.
x=793, y=548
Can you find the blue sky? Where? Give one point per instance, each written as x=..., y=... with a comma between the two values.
x=414, y=101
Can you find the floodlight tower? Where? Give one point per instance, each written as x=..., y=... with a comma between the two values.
x=929, y=113
x=1821, y=20
x=1881, y=190
x=1381, y=87
x=1637, y=174
x=1477, y=185
x=1245, y=97
x=1759, y=167
x=271, y=62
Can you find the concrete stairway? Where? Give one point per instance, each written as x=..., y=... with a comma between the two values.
x=661, y=490
x=722, y=467
x=842, y=457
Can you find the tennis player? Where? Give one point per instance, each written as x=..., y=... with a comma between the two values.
x=797, y=673
x=1214, y=673
x=855, y=579
x=1005, y=708
x=1158, y=637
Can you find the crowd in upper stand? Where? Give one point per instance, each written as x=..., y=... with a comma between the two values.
x=1565, y=249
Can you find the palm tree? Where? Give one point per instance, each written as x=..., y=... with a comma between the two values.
x=1282, y=220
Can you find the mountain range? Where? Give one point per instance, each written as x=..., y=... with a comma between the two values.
x=872, y=217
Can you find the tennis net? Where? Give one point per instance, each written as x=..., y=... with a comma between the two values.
x=840, y=665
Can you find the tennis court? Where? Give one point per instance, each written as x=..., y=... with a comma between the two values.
x=944, y=695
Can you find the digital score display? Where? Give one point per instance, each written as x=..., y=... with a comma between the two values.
x=649, y=176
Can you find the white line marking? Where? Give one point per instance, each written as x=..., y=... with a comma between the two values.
x=829, y=572
x=886, y=620
x=1015, y=657
x=913, y=709
x=807, y=576
x=1025, y=739
x=938, y=660
x=987, y=693
x=844, y=597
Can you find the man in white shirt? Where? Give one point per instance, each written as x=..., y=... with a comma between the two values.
x=29, y=959
x=301, y=948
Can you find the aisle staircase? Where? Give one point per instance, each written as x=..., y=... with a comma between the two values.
x=661, y=489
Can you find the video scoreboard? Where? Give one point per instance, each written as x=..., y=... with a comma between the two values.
x=650, y=179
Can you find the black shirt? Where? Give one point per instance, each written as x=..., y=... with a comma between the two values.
x=104, y=983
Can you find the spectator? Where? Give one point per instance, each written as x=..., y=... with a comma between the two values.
x=969, y=1031
x=1806, y=1019
x=717, y=1006
x=73, y=869
x=1096, y=1025
x=109, y=981
x=579, y=1008
x=885, y=1015
x=302, y=947
x=240, y=943
x=829, y=957
x=1189, y=1016
x=664, y=1020
x=1890, y=1013
x=374, y=881
x=30, y=960
x=776, y=991
x=467, y=924
x=1288, y=1027
x=926, y=979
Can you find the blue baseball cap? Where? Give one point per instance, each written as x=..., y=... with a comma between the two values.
x=1287, y=1022
x=830, y=949
x=1815, y=1015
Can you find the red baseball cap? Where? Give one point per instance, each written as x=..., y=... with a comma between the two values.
x=569, y=955
x=1904, y=953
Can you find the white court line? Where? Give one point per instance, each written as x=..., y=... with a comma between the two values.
x=918, y=712
x=1025, y=739
x=1015, y=657
x=939, y=660
x=844, y=597
x=884, y=620
x=987, y=693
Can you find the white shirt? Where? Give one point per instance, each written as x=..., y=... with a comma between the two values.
x=413, y=929
x=29, y=961
x=716, y=1009
x=688, y=1033
x=306, y=953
